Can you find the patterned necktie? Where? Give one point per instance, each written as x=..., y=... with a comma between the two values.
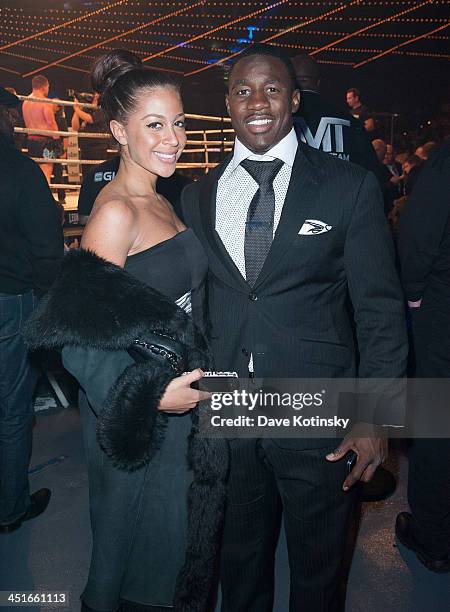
x=259, y=224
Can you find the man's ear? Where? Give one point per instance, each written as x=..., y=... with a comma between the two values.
x=118, y=131
x=295, y=104
x=227, y=103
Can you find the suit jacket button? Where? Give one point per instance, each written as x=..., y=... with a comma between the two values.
x=245, y=352
x=253, y=297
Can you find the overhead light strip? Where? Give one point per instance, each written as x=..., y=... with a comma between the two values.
x=406, y=42
x=221, y=27
x=373, y=25
x=62, y=25
x=117, y=36
x=279, y=34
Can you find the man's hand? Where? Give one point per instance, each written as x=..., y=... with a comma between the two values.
x=370, y=451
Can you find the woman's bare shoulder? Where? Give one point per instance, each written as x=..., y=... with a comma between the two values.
x=112, y=228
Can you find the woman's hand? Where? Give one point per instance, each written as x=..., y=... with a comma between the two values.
x=179, y=397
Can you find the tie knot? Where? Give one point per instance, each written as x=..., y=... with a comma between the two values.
x=263, y=172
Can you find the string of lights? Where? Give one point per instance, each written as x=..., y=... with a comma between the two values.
x=205, y=31
x=221, y=27
x=406, y=42
x=374, y=25
x=61, y=25
x=274, y=36
x=111, y=38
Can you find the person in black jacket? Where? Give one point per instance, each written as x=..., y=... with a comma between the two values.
x=31, y=249
x=424, y=253
x=324, y=126
x=292, y=235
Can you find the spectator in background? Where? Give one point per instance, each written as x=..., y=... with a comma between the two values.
x=41, y=116
x=60, y=118
x=31, y=249
x=423, y=152
x=380, y=149
x=394, y=185
x=411, y=169
x=19, y=137
x=359, y=110
x=321, y=125
x=383, y=175
x=394, y=167
x=424, y=249
x=93, y=122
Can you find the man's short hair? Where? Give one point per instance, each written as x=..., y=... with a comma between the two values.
x=354, y=91
x=268, y=50
x=427, y=148
x=413, y=160
x=39, y=82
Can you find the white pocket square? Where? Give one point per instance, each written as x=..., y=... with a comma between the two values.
x=312, y=226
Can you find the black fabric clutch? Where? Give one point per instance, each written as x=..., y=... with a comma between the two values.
x=160, y=348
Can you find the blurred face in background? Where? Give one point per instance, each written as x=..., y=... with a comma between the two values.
x=380, y=148
x=407, y=167
x=352, y=100
x=389, y=157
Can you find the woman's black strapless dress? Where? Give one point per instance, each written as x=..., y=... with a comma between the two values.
x=156, y=513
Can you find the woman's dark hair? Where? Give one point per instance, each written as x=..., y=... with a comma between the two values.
x=120, y=78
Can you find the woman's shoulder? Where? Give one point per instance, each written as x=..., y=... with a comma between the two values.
x=113, y=207
x=112, y=228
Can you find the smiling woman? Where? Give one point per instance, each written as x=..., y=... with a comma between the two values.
x=140, y=274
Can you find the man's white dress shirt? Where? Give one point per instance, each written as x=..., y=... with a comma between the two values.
x=236, y=189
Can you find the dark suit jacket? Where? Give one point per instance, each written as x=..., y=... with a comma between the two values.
x=295, y=320
x=314, y=124
x=424, y=230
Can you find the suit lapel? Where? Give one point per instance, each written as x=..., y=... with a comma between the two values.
x=300, y=196
x=220, y=261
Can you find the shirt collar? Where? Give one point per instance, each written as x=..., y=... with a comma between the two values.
x=284, y=150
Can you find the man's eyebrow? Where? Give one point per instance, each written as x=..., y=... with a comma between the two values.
x=160, y=116
x=273, y=79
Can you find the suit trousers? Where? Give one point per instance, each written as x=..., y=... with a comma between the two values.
x=267, y=481
x=429, y=458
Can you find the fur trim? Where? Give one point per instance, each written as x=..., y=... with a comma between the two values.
x=95, y=304
x=130, y=429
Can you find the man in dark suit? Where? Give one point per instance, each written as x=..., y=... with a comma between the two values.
x=424, y=254
x=290, y=232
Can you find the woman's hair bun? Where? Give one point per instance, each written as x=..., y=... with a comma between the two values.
x=111, y=66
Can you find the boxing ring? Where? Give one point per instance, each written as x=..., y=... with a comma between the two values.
x=206, y=145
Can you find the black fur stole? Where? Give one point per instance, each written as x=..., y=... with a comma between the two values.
x=96, y=304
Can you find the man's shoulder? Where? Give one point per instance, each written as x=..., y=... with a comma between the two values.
x=314, y=107
x=194, y=189
x=191, y=191
x=329, y=166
